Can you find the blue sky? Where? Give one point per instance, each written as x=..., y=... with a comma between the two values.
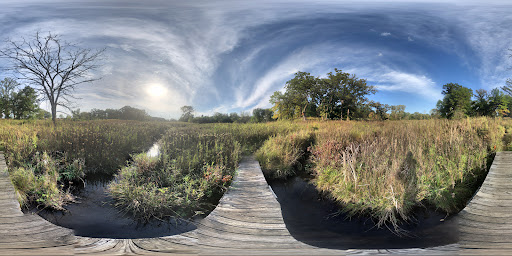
x=230, y=56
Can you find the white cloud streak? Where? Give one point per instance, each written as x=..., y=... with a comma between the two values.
x=181, y=46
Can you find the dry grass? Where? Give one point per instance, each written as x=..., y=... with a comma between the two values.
x=384, y=169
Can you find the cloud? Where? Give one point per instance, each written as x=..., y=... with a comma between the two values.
x=409, y=83
x=489, y=37
x=232, y=56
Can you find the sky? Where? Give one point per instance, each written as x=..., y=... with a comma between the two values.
x=230, y=56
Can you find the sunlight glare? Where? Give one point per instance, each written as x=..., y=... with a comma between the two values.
x=156, y=90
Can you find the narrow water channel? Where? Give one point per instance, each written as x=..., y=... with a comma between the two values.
x=314, y=220
x=94, y=214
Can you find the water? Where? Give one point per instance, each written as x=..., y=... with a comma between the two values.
x=94, y=214
x=312, y=219
x=154, y=151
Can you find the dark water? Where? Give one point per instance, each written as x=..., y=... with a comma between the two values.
x=317, y=221
x=95, y=216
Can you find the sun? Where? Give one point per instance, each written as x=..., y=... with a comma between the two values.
x=156, y=90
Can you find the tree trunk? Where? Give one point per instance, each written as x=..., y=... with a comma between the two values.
x=54, y=113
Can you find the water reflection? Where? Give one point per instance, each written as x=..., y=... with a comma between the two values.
x=154, y=151
x=316, y=221
x=94, y=214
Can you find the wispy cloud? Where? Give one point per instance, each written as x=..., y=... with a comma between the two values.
x=410, y=83
x=231, y=56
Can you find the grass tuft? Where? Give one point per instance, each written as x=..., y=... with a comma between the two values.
x=282, y=154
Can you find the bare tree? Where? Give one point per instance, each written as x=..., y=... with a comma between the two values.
x=55, y=67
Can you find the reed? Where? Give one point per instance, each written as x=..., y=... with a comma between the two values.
x=385, y=169
x=74, y=147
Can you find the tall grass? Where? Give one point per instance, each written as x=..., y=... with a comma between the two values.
x=385, y=169
x=40, y=181
x=195, y=165
x=282, y=154
x=380, y=169
x=72, y=149
x=105, y=145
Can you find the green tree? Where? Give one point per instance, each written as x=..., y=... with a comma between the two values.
x=260, y=115
x=456, y=102
x=7, y=90
x=42, y=114
x=498, y=103
x=283, y=108
x=339, y=94
x=131, y=113
x=480, y=106
x=187, y=113
x=397, y=112
x=25, y=104
x=342, y=94
x=379, y=111
x=300, y=91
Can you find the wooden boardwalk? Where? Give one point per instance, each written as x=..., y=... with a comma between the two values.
x=29, y=234
x=485, y=225
x=22, y=234
x=248, y=221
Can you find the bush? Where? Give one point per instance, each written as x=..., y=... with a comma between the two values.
x=281, y=154
x=40, y=183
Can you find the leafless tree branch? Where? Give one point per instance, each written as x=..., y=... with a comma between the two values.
x=53, y=66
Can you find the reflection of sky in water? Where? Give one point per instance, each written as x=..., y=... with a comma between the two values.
x=154, y=151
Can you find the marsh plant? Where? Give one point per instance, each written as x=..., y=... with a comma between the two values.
x=41, y=181
x=43, y=159
x=282, y=154
x=381, y=169
x=385, y=169
x=194, y=167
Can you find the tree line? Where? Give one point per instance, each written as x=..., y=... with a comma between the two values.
x=19, y=103
x=124, y=113
x=55, y=68
x=460, y=101
x=259, y=115
x=339, y=95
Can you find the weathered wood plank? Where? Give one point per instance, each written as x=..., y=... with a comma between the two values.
x=248, y=221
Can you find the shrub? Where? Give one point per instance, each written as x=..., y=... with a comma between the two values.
x=39, y=182
x=281, y=154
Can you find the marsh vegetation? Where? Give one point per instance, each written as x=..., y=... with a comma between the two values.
x=379, y=169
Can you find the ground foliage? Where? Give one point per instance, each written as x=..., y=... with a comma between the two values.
x=381, y=169
x=70, y=150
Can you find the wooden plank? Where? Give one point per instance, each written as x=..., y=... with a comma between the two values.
x=248, y=221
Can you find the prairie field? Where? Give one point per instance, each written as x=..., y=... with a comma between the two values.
x=382, y=169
